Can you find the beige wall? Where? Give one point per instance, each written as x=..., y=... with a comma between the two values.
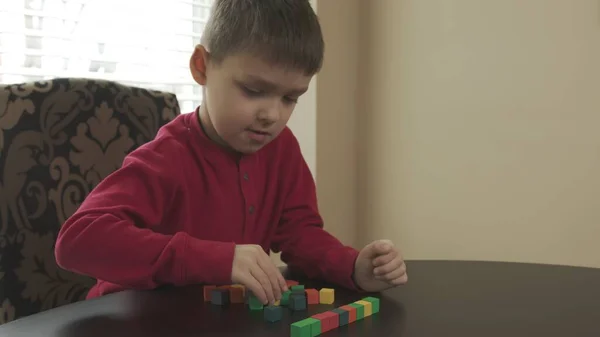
x=462, y=129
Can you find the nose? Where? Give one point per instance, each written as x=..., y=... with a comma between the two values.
x=270, y=114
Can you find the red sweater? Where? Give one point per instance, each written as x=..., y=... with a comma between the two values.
x=173, y=213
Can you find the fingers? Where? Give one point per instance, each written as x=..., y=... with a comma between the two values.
x=400, y=280
x=385, y=259
x=266, y=288
x=394, y=264
x=274, y=277
x=384, y=246
x=255, y=287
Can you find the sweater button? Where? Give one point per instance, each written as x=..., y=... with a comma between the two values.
x=251, y=209
x=246, y=176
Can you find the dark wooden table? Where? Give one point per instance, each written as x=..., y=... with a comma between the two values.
x=449, y=299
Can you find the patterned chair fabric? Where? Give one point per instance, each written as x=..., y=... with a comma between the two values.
x=58, y=139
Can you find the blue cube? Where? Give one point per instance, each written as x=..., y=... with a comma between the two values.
x=273, y=313
x=297, y=302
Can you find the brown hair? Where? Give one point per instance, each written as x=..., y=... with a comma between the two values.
x=284, y=32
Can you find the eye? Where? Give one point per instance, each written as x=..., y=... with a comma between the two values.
x=250, y=92
x=290, y=100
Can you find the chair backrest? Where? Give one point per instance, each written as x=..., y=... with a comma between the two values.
x=58, y=139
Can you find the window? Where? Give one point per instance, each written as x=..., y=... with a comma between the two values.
x=134, y=42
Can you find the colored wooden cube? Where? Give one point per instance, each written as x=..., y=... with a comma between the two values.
x=254, y=303
x=219, y=296
x=291, y=283
x=374, y=303
x=367, y=307
x=333, y=319
x=312, y=296
x=208, y=292
x=324, y=323
x=351, y=313
x=273, y=313
x=326, y=296
x=329, y=320
x=277, y=303
x=297, y=302
x=360, y=310
x=240, y=286
x=344, y=316
x=285, y=298
x=303, y=328
x=297, y=289
x=236, y=295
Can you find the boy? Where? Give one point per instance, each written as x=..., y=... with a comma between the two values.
x=216, y=189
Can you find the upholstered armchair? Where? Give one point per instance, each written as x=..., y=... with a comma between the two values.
x=58, y=139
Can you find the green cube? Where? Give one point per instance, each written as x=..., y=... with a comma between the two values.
x=254, y=303
x=374, y=303
x=302, y=328
x=298, y=287
x=360, y=310
x=315, y=326
x=285, y=298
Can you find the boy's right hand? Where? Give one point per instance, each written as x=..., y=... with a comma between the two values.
x=253, y=268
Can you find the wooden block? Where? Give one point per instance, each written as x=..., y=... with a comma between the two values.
x=254, y=303
x=277, y=303
x=298, y=287
x=285, y=298
x=333, y=319
x=344, y=316
x=219, y=296
x=291, y=283
x=324, y=322
x=273, y=313
x=329, y=320
x=236, y=295
x=326, y=296
x=302, y=328
x=374, y=303
x=240, y=286
x=351, y=313
x=207, y=292
x=368, y=308
x=297, y=302
x=360, y=310
x=312, y=296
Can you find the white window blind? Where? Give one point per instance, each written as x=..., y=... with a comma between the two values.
x=134, y=42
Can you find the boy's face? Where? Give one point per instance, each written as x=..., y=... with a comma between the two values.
x=247, y=101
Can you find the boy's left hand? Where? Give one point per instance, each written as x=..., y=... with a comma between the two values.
x=379, y=266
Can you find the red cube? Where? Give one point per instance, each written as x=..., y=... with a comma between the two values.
x=351, y=313
x=291, y=283
x=333, y=319
x=312, y=296
x=329, y=320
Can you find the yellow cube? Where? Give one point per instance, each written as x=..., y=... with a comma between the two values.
x=326, y=296
x=368, y=307
x=277, y=303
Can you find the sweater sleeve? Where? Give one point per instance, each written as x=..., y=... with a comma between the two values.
x=300, y=237
x=116, y=233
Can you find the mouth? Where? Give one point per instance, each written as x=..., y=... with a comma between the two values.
x=258, y=136
x=258, y=132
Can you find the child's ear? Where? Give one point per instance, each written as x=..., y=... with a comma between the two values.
x=198, y=64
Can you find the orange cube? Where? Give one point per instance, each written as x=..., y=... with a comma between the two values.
x=236, y=295
x=312, y=296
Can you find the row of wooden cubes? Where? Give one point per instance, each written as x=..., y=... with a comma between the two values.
x=332, y=319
